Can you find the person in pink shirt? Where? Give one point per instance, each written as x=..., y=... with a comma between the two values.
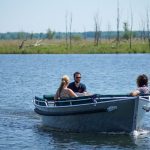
x=142, y=84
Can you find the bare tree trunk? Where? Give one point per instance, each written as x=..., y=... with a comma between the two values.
x=84, y=34
x=70, y=36
x=22, y=44
x=118, y=23
x=66, y=17
x=99, y=37
x=31, y=36
x=109, y=32
x=143, y=33
x=148, y=36
x=99, y=33
x=131, y=30
x=140, y=31
x=97, y=30
x=143, y=30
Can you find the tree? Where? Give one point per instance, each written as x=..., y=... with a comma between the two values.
x=109, y=32
x=22, y=44
x=31, y=35
x=118, y=23
x=70, y=36
x=148, y=34
x=126, y=31
x=40, y=35
x=21, y=35
x=84, y=34
x=97, y=30
x=50, y=34
x=143, y=32
x=130, y=35
x=66, y=34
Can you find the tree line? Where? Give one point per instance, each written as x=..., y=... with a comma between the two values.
x=106, y=35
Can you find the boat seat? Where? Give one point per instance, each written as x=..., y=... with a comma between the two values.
x=77, y=100
x=48, y=97
x=82, y=97
x=40, y=101
x=39, y=98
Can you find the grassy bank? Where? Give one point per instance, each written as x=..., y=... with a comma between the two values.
x=78, y=47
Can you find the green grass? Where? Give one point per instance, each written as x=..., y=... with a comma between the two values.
x=78, y=47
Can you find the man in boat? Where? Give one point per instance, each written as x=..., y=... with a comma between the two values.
x=76, y=86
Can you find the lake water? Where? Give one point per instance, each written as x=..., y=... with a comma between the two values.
x=24, y=76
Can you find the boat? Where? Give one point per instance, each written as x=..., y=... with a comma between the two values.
x=94, y=113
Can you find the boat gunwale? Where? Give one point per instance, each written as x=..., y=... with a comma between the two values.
x=86, y=104
x=48, y=110
x=144, y=99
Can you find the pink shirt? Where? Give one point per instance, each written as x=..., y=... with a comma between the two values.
x=144, y=90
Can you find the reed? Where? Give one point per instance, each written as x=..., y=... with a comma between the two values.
x=78, y=47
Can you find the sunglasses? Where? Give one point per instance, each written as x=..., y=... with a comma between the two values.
x=78, y=77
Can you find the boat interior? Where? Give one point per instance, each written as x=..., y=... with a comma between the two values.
x=47, y=100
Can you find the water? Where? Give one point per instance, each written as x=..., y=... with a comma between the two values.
x=24, y=76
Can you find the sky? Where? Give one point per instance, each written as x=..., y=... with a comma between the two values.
x=38, y=15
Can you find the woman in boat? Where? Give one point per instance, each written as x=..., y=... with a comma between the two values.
x=63, y=91
x=142, y=83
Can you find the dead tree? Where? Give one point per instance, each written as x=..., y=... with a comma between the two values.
x=66, y=35
x=143, y=31
x=148, y=36
x=84, y=34
x=118, y=23
x=37, y=43
x=131, y=26
x=97, y=30
x=70, y=36
x=31, y=36
x=109, y=32
x=140, y=29
x=22, y=44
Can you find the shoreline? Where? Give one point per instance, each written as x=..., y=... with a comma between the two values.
x=77, y=47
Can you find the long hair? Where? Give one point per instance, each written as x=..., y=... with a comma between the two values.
x=64, y=81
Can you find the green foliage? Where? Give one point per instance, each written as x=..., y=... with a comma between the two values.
x=21, y=35
x=61, y=35
x=50, y=34
x=76, y=38
x=126, y=33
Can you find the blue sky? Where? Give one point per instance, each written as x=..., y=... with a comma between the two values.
x=39, y=15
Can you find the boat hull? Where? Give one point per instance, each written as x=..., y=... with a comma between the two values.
x=117, y=115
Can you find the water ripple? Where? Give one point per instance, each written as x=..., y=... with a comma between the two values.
x=24, y=76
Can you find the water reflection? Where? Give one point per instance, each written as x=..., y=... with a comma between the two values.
x=95, y=140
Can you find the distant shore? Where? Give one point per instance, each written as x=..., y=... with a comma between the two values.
x=77, y=47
